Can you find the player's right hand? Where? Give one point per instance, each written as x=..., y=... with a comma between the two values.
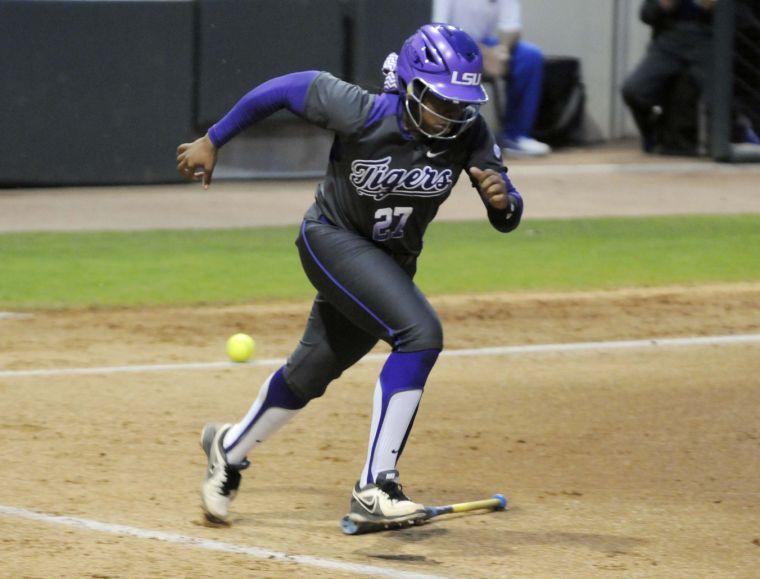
x=197, y=160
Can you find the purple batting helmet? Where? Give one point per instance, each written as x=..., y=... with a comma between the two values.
x=445, y=61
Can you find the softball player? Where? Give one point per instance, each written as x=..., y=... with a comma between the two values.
x=394, y=159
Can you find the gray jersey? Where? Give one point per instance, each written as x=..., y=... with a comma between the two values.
x=382, y=182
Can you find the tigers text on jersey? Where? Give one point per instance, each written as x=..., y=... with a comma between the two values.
x=382, y=182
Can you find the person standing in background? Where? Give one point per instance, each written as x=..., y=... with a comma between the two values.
x=681, y=41
x=497, y=26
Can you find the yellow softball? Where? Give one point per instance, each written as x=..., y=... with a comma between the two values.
x=240, y=347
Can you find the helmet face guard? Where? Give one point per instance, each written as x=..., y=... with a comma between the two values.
x=441, y=61
x=451, y=126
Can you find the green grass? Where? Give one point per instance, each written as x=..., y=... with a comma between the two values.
x=49, y=270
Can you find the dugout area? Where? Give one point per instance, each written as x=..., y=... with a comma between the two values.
x=629, y=461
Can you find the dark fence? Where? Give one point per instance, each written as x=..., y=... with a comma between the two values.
x=242, y=43
x=94, y=92
x=101, y=92
x=735, y=115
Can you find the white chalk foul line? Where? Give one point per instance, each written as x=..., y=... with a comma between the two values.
x=138, y=368
x=212, y=545
x=614, y=345
x=13, y=316
x=474, y=352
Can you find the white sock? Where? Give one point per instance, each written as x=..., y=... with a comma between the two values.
x=387, y=435
x=264, y=418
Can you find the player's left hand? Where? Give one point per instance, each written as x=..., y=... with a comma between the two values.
x=492, y=186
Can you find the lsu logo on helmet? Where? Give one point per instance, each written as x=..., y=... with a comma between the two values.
x=465, y=78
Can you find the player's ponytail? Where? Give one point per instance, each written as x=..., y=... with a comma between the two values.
x=389, y=70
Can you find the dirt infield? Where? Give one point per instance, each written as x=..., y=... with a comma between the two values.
x=633, y=462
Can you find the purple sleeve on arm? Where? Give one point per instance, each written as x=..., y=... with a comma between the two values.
x=508, y=181
x=287, y=91
x=384, y=105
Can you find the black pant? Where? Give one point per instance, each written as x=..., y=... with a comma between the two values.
x=364, y=295
x=686, y=49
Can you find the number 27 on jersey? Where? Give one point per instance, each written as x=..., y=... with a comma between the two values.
x=390, y=222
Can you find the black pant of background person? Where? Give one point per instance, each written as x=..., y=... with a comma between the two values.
x=688, y=47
